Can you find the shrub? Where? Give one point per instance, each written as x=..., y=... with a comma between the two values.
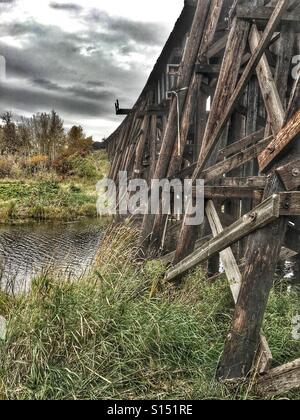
x=5, y=166
x=36, y=162
x=82, y=168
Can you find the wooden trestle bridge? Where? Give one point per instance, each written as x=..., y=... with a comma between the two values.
x=229, y=70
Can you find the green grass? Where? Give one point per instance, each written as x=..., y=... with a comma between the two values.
x=47, y=197
x=105, y=338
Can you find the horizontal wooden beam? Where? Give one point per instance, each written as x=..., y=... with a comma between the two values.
x=231, y=193
x=253, y=182
x=262, y=215
x=280, y=380
x=209, y=69
x=263, y=14
x=281, y=143
x=290, y=175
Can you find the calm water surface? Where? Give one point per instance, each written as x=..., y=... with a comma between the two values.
x=66, y=248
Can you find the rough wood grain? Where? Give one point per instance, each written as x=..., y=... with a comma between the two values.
x=284, y=139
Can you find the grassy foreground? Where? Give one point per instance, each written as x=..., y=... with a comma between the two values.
x=47, y=196
x=104, y=337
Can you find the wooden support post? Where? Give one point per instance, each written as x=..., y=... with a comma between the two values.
x=194, y=101
x=186, y=74
x=263, y=252
x=234, y=277
x=267, y=85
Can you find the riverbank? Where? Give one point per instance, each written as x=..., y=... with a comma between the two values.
x=104, y=337
x=45, y=195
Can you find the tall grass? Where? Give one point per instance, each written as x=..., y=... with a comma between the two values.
x=103, y=337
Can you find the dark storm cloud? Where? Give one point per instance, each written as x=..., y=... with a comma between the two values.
x=83, y=91
x=69, y=7
x=36, y=100
x=141, y=32
x=80, y=73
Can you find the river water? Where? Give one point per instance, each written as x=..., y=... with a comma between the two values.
x=67, y=249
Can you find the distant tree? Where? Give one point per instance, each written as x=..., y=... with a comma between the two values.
x=77, y=141
x=25, y=136
x=47, y=134
x=10, y=139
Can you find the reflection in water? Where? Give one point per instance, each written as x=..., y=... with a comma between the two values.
x=26, y=251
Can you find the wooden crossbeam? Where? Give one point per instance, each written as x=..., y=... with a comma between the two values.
x=253, y=182
x=233, y=162
x=290, y=175
x=277, y=205
x=241, y=144
x=217, y=47
x=290, y=204
x=264, y=13
x=210, y=69
x=265, y=213
x=217, y=192
x=284, y=139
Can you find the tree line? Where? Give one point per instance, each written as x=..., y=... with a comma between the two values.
x=42, y=134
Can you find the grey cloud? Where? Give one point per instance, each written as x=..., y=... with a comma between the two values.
x=28, y=98
x=80, y=74
x=70, y=7
x=85, y=91
x=141, y=32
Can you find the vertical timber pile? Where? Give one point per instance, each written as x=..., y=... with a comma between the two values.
x=185, y=76
x=190, y=106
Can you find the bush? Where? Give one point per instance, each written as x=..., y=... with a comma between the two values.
x=6, y=164
x=82, y=168
x=36, y=163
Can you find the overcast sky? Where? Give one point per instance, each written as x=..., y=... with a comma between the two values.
x=79, y=56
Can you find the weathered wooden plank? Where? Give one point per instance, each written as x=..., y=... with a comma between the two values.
x=280, y=380
x=290, y=204
x=263, y=14
x=140, y=149
x=267, y=85
x=265, y=213
x=216, y=192
x=230, y=265
x=217, y=47
x=254, y=182
x=290, y=175
x=241, y=144
x=233, y=162
x=210, y=69
x=284, y=139
x=234, y=277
